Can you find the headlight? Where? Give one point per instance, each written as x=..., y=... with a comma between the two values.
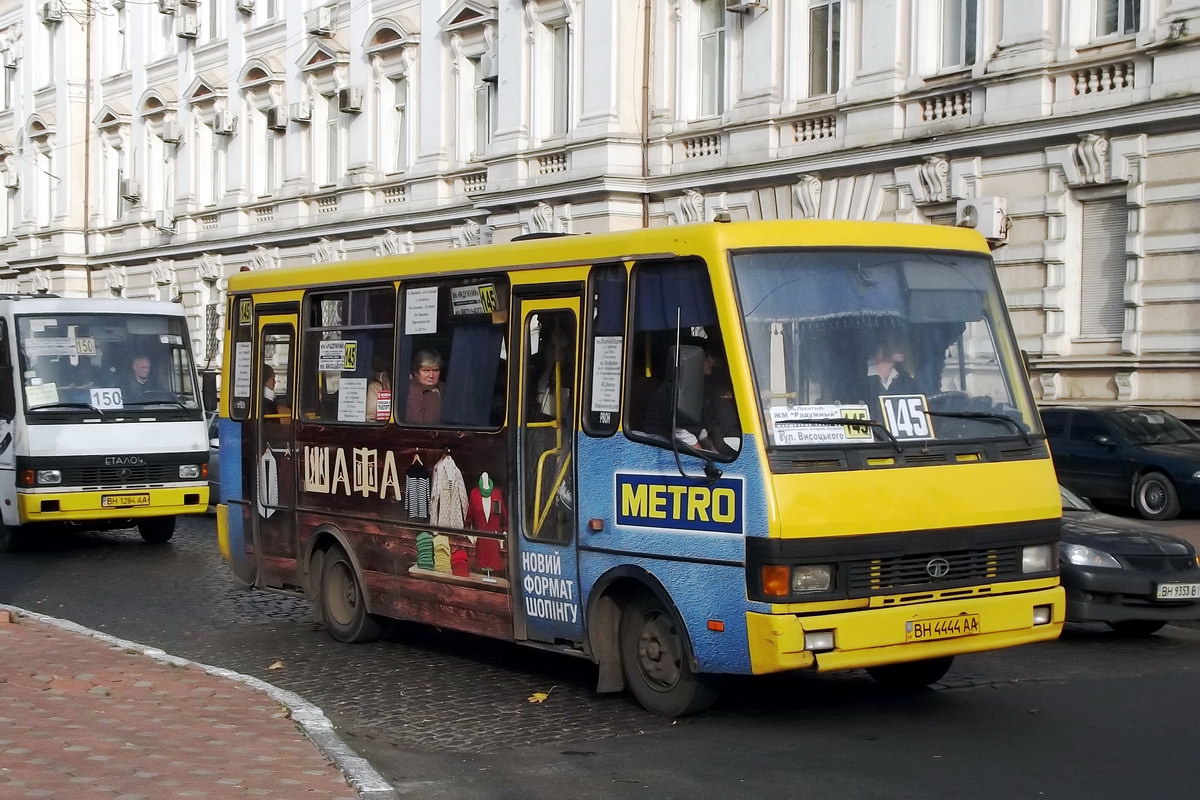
x=49, y=477
x=189, y=470
x=1082, y=556
x=1196, y=474
x=811, y=578
x=1037, y=558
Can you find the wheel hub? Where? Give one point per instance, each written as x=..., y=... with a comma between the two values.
x=659, y=652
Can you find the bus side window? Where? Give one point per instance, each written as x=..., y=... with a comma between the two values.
x=241, y=325
x=453, y=360
x=605, y=349
x=8, y=396
x=346, y=373
x=667, y=295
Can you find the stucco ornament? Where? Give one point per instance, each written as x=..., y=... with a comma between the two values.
x=115, y=279
x=808, y=196
x=210, y=267
x=1091, y=156
x=266, y=257
x=394, y=243
x=40, y=279
x=934, y=174
x=325, y=251
x=468, y=234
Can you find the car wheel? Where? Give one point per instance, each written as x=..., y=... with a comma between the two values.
x=156, y=530
x=911, y=675
x=655, y=660
x=1136, y=627
x=343, y=602
x=1155, y=497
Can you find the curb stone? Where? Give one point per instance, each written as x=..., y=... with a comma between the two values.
x=359, y=773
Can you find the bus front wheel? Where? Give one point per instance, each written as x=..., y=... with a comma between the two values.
x=655, y=660
x=343, y=602
x=911, y=675
x=156, y=530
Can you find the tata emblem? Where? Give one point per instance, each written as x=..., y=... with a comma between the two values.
x=938, y=567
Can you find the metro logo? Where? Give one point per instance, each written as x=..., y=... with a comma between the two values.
x=676, y=503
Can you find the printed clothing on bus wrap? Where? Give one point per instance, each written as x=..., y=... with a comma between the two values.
x=416, y=492
x=448, y=495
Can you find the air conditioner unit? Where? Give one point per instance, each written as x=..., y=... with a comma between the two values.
x=744, y=6
x=301, y=112
x=164, y=221
x=245, y=6
x=168, y=6
x=52, y=11
x=224, y=124
x=187, y=27
x=319, y=21
x=12, y=179
x=277, y=118
x=988, y=215
x=129, y=189
x=170, y=133
x=350, y=100
x=489, y=66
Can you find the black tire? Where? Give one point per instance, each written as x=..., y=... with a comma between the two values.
x=10, y=539
x=343, y=602
x=1155, y=497
x=156, y=530
x=1136, y=627
x=911, y=675
x=654, y=656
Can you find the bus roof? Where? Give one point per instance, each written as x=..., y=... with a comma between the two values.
x=41, y=304
x=622, y=245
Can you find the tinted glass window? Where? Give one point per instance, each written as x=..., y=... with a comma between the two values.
x=1055, y=423
x=1086, y=427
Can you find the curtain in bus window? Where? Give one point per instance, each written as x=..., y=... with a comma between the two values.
x=930, y=343
x=847, y=287
x=666, y=288
x=610, y=303
x=471, y=382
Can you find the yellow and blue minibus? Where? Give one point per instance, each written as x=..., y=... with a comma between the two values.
x=686, y=452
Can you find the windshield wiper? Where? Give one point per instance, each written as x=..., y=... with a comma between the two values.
x=66, y=405
x=158, y=403
x=856, y=423
x=984, y=415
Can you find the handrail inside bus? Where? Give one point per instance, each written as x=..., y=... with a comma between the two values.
x=542, y=512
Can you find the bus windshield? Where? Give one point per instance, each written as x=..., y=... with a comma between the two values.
x=88, y=363
x=914, y=344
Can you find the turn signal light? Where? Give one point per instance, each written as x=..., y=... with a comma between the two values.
x=28, y=477
x=776, y=580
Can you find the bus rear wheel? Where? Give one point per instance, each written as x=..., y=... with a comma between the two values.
x=156, y=530
x=344, y=603
x=655, y=660
x=911, y=675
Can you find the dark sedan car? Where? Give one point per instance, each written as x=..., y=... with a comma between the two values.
x=1138, y=457
x=1124, y=572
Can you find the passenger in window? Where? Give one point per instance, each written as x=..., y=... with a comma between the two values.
x=379, y=391
x=425, y=389
x=269, y=404
x=886, y=372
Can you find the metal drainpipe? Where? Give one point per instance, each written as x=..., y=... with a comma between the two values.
x=646, y=42
x=87, y=146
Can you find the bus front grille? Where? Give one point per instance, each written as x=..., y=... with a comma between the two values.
x=925, y=571
x=120, y=476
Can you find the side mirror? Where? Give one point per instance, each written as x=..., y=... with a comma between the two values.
x=214, y=443
x=1104, y=439
x=689, y=383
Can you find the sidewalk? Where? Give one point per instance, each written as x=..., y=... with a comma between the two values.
x=85, y=715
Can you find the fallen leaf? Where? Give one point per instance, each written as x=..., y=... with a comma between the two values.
x=540, y=697
x=276, y=665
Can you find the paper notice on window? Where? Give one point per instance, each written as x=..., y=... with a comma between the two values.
x=242, y=362
x=50, y=346
x=383, y=405
x=41, y=395
x=338, y=355
x=793, y=425
x=108, y=398
x=606, y=374
x=352, y=400
x=420, y=310
x=478, y=299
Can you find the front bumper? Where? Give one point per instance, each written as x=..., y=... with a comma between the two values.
x=876, y=636
x=69, y=506
x=1114, y=595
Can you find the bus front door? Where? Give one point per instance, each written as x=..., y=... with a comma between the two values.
x=275, y=453
x=546, y=593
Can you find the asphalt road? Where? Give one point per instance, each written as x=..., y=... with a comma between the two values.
x=447, y=716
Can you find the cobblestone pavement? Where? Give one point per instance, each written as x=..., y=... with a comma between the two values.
x=437, y=692
x=83, y=718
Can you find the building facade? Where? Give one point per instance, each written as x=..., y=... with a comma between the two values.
x=148, y=149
